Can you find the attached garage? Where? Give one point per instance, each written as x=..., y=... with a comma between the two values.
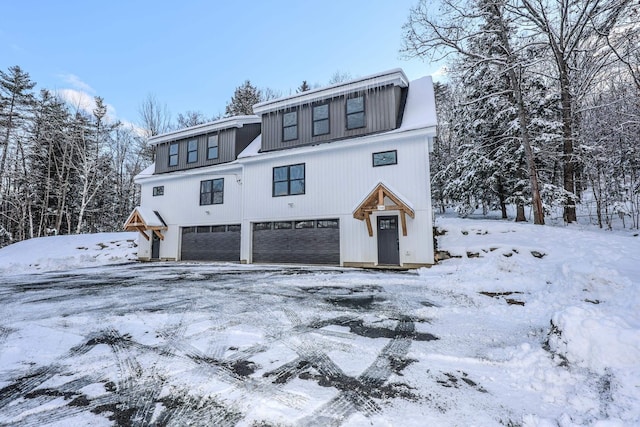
x=211, y=243
x=297, y=242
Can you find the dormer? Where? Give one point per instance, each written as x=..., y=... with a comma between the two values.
x=204, y=145
x=355, y=108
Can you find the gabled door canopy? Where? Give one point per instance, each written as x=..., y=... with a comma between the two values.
x=142, y=219
x=375, y=202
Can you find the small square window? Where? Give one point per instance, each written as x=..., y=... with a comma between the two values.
x=158, y=191
x=212, y=192
x=385, y=158
x=173, y=154
x=192, y=151
x=212, y=147
x=290, y=126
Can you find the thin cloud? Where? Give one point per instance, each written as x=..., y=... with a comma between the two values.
x=83, y=101
x=76, y=82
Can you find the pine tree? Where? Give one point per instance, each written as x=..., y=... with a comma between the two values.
x=243, y=100
x=303, y=87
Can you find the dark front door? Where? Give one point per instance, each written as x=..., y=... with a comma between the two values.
x=388, y=244
x=155, y=246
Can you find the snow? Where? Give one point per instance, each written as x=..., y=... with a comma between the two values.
x=535, y=326
x=420, y=110
x=57, y=253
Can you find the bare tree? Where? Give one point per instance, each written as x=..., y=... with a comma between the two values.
x=155, y=118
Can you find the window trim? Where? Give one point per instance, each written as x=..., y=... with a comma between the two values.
x=293, y=111
x=190, y=151
x=395, y=158
x=212, y=192
x=210, y=147
x=158, y=190
x=289, y=180
x=314, y=120
x=174, y=156
x=347, y=113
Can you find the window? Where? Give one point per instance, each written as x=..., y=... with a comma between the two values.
x=290, y=126
x=282, y=225
x=258, y=226
x=321, y=119
x=355, y=112
x=288, y=180
x=158, y=191
x=173, y=154
x=211, y=192
x=212, y=147
x=192, y=151
x=304, y=224
x=328, y=223
x=385, y=158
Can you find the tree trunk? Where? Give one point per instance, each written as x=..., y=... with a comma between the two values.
x=520, y=217
x=568, y=175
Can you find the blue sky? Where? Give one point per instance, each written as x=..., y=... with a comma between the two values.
x=192, y=54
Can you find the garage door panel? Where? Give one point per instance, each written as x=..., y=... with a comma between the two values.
x=211, y=246
x=301, y=246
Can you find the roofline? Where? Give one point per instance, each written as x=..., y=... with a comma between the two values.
x=227, y=122
x=395, y=76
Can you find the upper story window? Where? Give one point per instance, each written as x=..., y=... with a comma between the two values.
x=212, y=192
x=212, y=147
x=288, y=180
x=173, y=154
x=355, y=112
x=385, y=158
x=290, y=126
x=192, y=151
x=158, y=191
x=320, y=119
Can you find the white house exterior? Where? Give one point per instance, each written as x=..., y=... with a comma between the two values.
x=337, y=175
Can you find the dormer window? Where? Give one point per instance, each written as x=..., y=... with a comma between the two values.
x=355, y=112
x=290, y=126
x=321, y=119
x=192, y=151
x=173, y=154
x=212, y=147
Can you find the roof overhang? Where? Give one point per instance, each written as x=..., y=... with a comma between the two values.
x=381, y=199
x=143, y=220
x=392, y=77
x=226, y=123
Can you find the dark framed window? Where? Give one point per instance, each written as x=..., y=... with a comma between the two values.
x=234, y=227
x=212, y=147
x=288, y=180
x=304, y=224
x=257, y=226
x=290, y=126
x=218, y=228
x=385, y=158
x=320, y=117
x=212, y=192
x=203, y=229
x=355, y=112
x=173, y=154
x=282, y=225
x=187, y=230
x=328, y=223
x=158, y=191
x=192, y=151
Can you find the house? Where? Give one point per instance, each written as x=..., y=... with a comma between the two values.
x=337, y=175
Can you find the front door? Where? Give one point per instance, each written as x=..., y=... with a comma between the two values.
x=155, y=246
x=388, y=243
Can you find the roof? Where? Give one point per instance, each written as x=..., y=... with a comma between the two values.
x=226, y=123
x=149, y=217
x=395, y=77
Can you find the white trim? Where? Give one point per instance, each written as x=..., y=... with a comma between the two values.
x=395, y=77
x=229, y=122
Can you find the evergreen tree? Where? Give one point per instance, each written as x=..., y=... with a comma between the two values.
x=303, y=87
x=243, y=100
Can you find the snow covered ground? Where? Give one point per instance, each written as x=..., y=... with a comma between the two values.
x=522, y=326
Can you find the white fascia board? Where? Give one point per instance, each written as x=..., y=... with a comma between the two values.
x=395, y=77
x=229, y=122
x=428, y=133
x=231, y=168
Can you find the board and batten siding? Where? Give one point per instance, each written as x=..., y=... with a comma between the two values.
x=336, y=181
x=381, y=114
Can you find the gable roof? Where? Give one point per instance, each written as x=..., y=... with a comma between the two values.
x=226, y=123
x=394, y=77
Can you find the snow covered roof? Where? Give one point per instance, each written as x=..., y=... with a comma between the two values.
x=253, y=149
x=150, y=218
x=228, y=122
x=420, y=109
x=395, y=77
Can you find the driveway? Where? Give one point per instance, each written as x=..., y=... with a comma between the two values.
x=198, y=344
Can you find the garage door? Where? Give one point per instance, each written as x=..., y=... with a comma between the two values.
x=297, y=242
x=211, y=243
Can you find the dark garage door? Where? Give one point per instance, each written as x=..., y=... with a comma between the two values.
x=297, y=242
x=211, y=243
